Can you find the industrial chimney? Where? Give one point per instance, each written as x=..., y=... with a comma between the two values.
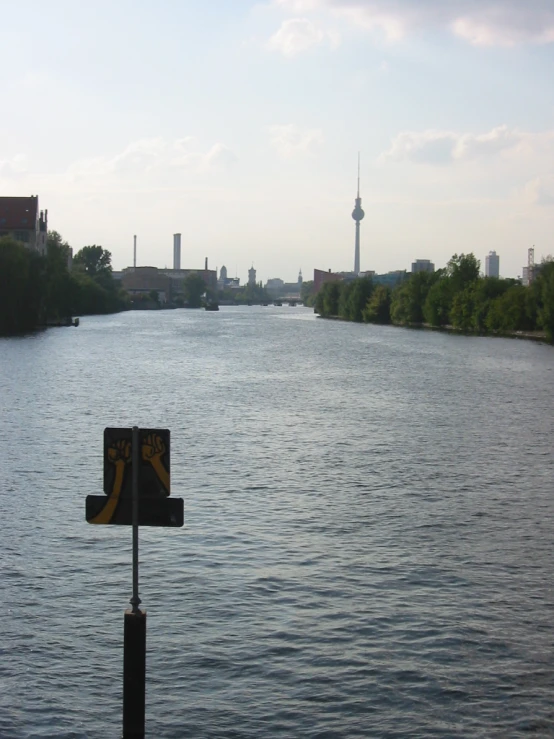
x=176, y=251
x=206, y=264
x=134, y=252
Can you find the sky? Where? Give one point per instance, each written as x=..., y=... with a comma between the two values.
x=238, y=124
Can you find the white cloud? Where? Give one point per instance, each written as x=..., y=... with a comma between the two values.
x=479, y=22
x=219, y=157
x=540, y=191
x=289, y=140
x=14, y=167
x=442, y=147
x=155, y=156
x=298, y=35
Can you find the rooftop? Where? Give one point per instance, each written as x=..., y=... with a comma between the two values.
x=18, y=213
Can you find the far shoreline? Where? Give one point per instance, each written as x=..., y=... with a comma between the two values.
x=536, y=336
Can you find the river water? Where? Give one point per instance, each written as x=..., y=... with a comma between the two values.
x=368, y=545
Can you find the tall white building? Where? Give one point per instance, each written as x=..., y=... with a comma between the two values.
x=492, y=265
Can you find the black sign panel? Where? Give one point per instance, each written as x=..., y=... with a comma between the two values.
x=155, y=508
x=151, y=511
x=154, y=463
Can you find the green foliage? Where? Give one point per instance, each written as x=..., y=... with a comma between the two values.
x=436, y=309
x=327, y=300
x=353, y=298
x=409, y=298
x=545, y=289
x=21, y=287
x=94, y=260
x=463, y=308
x=60, y=287
x=456, y=296
x=377, y=309
x=194, y=288
x=307, y=293
x=463, y=270
x=508, y=312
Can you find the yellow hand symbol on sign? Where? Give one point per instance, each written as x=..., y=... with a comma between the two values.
x=153, y=449
x=120, y=455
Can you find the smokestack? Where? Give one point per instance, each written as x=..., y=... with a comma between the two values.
x=206, y=264
x=134, y=252
x=176, y=251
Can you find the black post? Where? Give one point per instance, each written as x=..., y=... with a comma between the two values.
x=134, y=632
x=134, y=674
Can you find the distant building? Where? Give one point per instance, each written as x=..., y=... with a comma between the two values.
x=492, y=265
x=528, y=274
x=390, y=279
x=321, y=277
x=274, y=287
x=176, y=251
x=252, y=276
x=168, y=283
x=20, y=218
x=227, y=283
x=357, y=215
x=178, y=275
x=142, y=280
x=423, y=265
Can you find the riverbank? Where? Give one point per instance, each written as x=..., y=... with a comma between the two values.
x=539, y=336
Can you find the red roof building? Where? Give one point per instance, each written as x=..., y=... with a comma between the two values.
x=19, y=217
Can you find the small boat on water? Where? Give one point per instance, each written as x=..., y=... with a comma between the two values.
x=211, y=306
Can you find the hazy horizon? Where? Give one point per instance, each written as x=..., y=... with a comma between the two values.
x=238, y=125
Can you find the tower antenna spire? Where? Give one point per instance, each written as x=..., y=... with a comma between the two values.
x=357, y=215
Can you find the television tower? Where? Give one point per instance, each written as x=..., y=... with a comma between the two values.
x=357, y=215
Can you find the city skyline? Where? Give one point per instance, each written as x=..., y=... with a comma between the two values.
x=239, y=128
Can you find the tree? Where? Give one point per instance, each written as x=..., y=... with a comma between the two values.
x=377, y=309
x=326, y=301
x=436, y=309
x=545, y=285
x=463, y=269
x=463, y=309
x=21, y=287
x=354, y=297
x=60, y=287
x=306, y=292
x=193, y=288
x=409, y=297
x=94, y=260
x=508, y=312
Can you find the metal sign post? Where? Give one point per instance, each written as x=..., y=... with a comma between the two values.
x=140, y=498
x=134, y=628
x=135, y=600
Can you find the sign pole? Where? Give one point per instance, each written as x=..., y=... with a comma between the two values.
x=134, y=632
x=135, y=600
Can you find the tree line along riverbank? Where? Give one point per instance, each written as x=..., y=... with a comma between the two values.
x=456, y=297
x=38, y=290
x=42, y=290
